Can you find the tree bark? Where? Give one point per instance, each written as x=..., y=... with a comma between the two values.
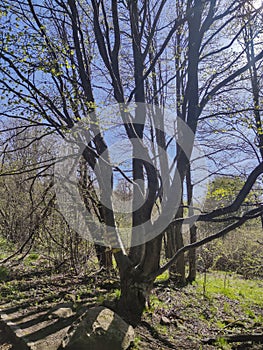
x=134, y=293
x=193, y=234
x=104, y=256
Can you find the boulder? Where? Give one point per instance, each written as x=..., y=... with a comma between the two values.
x=99, y=328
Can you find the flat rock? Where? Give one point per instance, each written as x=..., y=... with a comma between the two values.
x=62, y=312
x=164, y=321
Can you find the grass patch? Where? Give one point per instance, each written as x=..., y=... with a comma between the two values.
x=232, y=286
x=31, y=259
x=223, y=344
x=163, y=277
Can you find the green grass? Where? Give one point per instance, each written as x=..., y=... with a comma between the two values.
x=136, y=343
x=163, y=277
x=222, y=344
x=232, y=286
x=31, y=259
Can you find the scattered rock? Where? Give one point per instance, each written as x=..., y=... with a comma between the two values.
x=228, y=321
x=63, y=312
x=164, y=321
x=99, y=329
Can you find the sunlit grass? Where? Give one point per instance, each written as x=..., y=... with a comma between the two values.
x=163, y=277
x=232, y=286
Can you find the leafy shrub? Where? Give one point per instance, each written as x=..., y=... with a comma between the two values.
x=238, y=252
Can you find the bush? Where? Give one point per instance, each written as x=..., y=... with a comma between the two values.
x=238, y=252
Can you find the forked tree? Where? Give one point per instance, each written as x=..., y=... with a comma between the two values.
x=60, y=60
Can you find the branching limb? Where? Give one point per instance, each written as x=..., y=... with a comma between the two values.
x=252, y=214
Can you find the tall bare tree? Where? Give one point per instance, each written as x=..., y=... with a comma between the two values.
x=62, y=59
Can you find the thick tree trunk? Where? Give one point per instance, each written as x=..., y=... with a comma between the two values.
x=192, y=256
x=193, y=229
x=175, y=242
x=134, y=293
x=136, y=283
x=177, y=271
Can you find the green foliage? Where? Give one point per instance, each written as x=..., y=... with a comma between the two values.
x=136, y=343
x=163, y=277
x=222, y=191
x=115, y=295
x=31, y=259
x=221, y=343
x=238, y=252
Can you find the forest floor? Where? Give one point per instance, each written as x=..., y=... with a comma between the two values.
x=213, y=308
